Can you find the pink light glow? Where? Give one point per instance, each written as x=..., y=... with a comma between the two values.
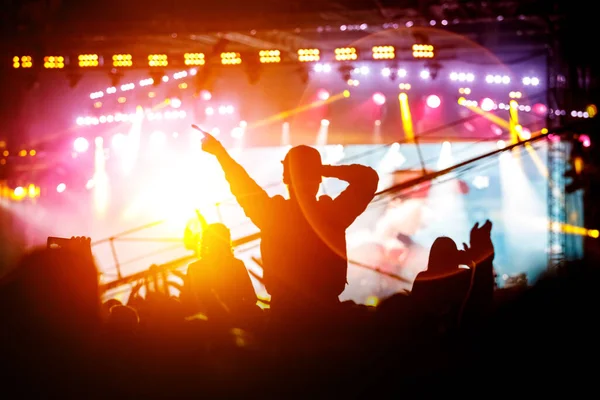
x=81, y=145
x=433, y=101
x=585, y=140
x=323, y=94
x=379, y=99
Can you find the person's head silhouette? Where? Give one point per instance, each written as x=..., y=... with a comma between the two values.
x=444, y=256
x=216, y=241
x=302, y=171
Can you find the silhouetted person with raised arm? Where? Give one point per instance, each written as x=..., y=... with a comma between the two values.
x=218, y=284
x=303, y=240
x=445, y=293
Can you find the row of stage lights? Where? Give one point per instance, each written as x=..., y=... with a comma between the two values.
x=131, y=117
x=432, y=101
x=267, y=56
x=466, y=77
x=364, y=70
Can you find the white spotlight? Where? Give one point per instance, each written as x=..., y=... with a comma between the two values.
x=81, y=145
x=324, y=122
x=237, y=133
x=158, y=138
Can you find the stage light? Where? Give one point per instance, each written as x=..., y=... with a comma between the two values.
x=180, y=75
x=487, y=104
x=194, y=59
x=383, y=52
x=122, y=60
x=175, y=102
x=269, y=56
x=88, y=60
x=205, y=95
x=346, y=93
x=481, y=182
x=585, y=140
x=425, y=74
x=209, y=111
x=22, y=62
x=515, y=95
x=466, y=91
x=146, y=82
x=308, y=55
x=322, y=68
x=128, y=86
x=54, y=62
x=215, y=131
x=81, y=145
x=386, y=72
x=433, y=101
x=324, y=122
x=121, y=100
x=61, y=187
x=230, y=58
x=345, y=54
x=402, y=73
x=531, y=81
x=32, y=153
x=404, y=86
x=19, y=191
x=423, y=51
x=379, y=98
x=525, y=133
x=462, y=77
x=501, y=144
x=322, y=94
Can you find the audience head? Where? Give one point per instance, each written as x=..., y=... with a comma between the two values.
x=107, y=305
x=54, y=292
x=444, y=256
x=216, y=241
x=123, y=318
x=302, y=171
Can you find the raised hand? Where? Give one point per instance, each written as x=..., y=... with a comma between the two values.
x=209, y=143
x=481, y=242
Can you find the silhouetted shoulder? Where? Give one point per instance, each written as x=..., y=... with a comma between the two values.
x=326, y=200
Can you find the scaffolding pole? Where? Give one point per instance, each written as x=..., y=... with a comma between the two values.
x=556, y=157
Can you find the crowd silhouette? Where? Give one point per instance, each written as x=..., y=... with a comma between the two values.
x=455, y=333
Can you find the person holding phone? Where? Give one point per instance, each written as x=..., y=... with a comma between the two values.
x=303, y=239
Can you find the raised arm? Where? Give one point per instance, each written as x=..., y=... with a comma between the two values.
x=362, y=185
x=250, y=196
